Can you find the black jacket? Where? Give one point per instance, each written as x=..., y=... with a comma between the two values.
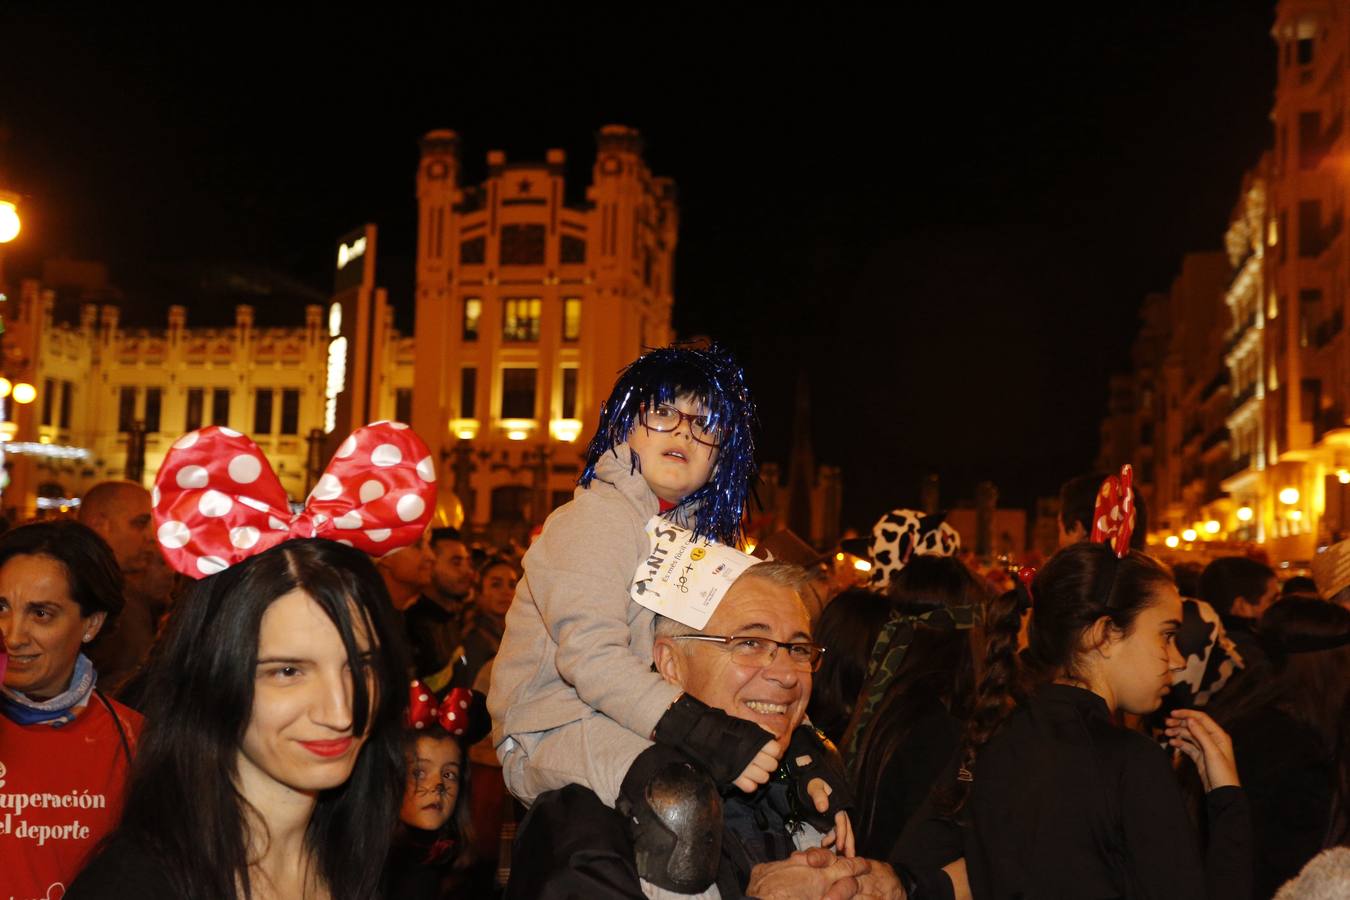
x=570, y=845
x=1065, y=803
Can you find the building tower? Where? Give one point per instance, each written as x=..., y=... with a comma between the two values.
x=527, y=307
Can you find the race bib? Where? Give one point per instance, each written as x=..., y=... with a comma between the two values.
x=683, y=577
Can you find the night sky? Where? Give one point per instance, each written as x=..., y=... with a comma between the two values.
x=947, y=222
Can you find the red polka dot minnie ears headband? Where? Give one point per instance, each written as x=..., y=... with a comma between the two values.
x=1113, y=521
x=216, y=500
x=462, y=714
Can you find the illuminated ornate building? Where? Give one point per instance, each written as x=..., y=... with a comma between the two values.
x=527, y=307
x=103, y=388
x=1284, y=453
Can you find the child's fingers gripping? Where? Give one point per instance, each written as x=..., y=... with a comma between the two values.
x=843, y=826
x=819, y=792
x=774, y=750
x=755, y=774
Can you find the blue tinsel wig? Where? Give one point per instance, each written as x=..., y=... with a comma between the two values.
x=713, y=376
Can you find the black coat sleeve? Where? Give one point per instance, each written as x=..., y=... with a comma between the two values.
x=571, y=845
x=1164, y=855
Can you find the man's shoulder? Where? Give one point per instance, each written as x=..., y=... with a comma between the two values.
x=572, y=845
x=572, y=806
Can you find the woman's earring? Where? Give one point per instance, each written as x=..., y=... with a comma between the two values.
x=88, y=637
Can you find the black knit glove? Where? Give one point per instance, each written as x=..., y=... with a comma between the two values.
x=810, y=755
x=723, y=745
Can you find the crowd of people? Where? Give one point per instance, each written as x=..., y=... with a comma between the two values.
x=207, y=694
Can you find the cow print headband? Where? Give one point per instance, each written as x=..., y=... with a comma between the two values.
x=902, y=533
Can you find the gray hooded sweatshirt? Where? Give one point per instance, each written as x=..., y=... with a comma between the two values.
x=574, y=641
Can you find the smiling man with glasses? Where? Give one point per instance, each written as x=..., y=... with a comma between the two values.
x=753, y=659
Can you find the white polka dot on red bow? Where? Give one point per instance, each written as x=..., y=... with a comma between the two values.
x=376, y=495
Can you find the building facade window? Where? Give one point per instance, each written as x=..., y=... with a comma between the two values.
x=67, y=389
x=518, y=390
x=48, y=400
x=468, y=391
x=522, y=245
x=569, y=393
x=196, y=404
x=403, y=404
x=126, y=408
x=473, y=311
x=572, y=249
x=571, y=329
x=290, y=411
x=520, y=318
x=154, y=405
x=472, y=251
x=1309, y=228
x=262, y=411
x=220, y=407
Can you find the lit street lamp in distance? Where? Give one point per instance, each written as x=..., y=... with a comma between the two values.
x=9, y=217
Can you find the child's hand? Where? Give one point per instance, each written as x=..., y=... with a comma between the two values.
x=761, y=768
x=840, y=838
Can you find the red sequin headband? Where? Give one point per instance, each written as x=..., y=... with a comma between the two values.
x=216, y=500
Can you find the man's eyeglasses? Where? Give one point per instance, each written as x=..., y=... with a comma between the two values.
x=664, y=417
x=760, y=652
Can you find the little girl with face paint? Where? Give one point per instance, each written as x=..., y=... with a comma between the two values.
x=574, y=699
x=433, y=840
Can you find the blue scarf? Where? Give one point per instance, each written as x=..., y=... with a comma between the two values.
x=59, y=710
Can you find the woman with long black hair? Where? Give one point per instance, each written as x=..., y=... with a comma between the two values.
x=925, y=695
x=273, y=766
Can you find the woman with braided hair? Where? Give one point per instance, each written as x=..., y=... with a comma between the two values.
x=925, y=691
x=1053, y=798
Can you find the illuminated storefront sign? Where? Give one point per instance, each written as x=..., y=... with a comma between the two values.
x=336, y=381
x=349, y=252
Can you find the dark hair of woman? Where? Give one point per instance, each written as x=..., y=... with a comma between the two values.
x=938, y=665
x=1308, y=679
x=1078, y=586
x=183, y=808
x=91, y=569
x=847, y=628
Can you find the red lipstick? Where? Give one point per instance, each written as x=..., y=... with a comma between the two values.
x=328, y=748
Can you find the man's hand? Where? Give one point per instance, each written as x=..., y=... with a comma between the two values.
x=813, y=874
x=761, y=768
x=881, y=882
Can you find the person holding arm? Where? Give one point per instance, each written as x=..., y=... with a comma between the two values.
x=574, y=699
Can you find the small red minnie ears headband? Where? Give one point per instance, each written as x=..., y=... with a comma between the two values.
x=1113, y=517
x=216, y=500
x=462, y=714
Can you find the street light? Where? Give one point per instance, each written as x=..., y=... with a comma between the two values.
x=1289, y=496
x=24, y=393
x=9, y=217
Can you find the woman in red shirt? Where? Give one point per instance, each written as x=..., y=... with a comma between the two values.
x=59, y=585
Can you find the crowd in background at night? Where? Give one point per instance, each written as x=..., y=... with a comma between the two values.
x=1103, y=725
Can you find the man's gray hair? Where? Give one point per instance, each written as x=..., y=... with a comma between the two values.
x=783, y=574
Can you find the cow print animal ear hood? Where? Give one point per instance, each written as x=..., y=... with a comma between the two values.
x=902, y=533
